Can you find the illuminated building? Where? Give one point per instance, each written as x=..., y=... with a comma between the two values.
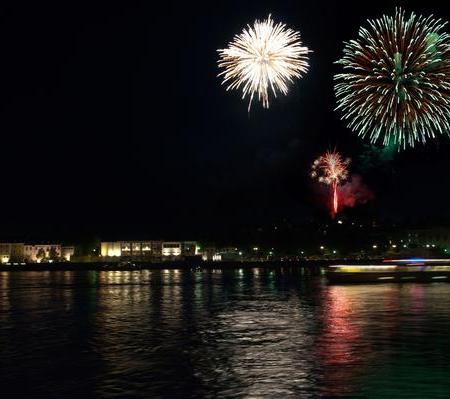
x=39, y=252
x=134, y=249
x=174, y=249
x=171, y=249
x=111, y=249
x=19, y=252
x=149, y=249
x=10, y=252
x=210, y=253
x=67, y=252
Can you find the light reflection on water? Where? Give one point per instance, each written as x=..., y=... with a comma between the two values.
x=220, y=333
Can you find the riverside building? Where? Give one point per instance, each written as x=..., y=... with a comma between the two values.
x=131, y=249
x=149, y=250
x=11, y=252
x=39, y=252
x=34, y=253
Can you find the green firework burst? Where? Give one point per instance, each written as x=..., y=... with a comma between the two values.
x=395, y=84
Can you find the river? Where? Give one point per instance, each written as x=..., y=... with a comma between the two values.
x=239, y=333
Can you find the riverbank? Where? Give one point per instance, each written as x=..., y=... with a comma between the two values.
x=197, y=264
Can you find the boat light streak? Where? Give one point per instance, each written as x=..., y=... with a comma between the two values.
x=415, y=260
x=366, y=266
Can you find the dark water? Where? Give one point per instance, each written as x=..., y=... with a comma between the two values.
x=220, y=334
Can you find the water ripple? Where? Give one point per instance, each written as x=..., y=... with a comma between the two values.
x=256, y=333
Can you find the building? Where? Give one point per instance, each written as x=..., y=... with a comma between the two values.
x=175, y=249
x=190, y=248
x=171, y=249
x=131, y=249
x=20, y=252
x=67, y=252
x=149, y=250
x=210, y=253
x=11, y=252
x=111, y=249
x=41, y=252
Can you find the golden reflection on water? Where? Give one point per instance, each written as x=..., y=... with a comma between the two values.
x=4, y=292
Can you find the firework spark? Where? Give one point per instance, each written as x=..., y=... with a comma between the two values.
x=395, y=88
x=264, y=57
x=331, y=169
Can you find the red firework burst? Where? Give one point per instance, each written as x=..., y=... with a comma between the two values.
x=331, y=169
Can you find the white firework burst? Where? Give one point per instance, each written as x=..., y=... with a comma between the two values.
x=264, y=57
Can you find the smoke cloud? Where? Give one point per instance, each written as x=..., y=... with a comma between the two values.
x=354, y=192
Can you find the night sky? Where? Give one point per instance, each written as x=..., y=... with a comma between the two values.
x=114, y=124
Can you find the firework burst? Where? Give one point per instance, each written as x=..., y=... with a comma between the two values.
x=395, y=88
x=264, y=57
x=331, y=169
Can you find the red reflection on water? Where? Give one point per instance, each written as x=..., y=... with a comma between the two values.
x=341, y=349
x=418, y=298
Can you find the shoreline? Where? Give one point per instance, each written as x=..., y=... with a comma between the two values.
x=311, y=265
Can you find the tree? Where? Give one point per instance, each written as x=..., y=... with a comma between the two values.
x=40, y=254
x=53, y=254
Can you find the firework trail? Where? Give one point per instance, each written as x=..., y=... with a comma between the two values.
x=395, y=84
x=331, y=169
x=264, y=57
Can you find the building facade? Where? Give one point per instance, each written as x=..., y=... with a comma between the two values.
x=210, y=253
x=154, y=250
x=175, y=249
x=41, y=252
x=131, y=249
x=11, y=252
x=67, y=252
x=20, y=252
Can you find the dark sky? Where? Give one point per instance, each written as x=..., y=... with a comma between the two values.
x=113, y=123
